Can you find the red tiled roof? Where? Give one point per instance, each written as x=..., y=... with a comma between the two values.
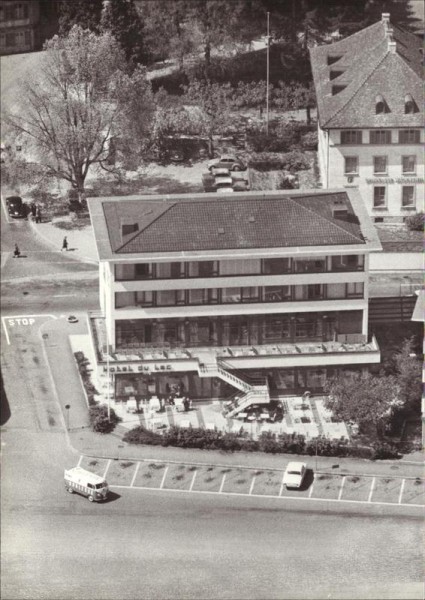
x=187, y=223
x=369, y=69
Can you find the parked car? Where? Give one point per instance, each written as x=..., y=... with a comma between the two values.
x=227, y=161
x=16, y=208
x=294, y=474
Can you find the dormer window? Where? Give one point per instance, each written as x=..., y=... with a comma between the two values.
x=333, y=59
x=410, y=106
x=381, y=106
x=334, y=74
x=336, y=89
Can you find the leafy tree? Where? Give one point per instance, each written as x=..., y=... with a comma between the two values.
x=214, y=102
x=122, y=19
x=408, y=373
x=83, y=97
x=416, y=222
x=364, y=398
x=79, y=12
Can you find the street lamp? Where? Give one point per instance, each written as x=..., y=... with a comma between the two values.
x=67, y=406
x=268, y=74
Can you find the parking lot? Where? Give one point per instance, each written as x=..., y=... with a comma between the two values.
x=216, y=479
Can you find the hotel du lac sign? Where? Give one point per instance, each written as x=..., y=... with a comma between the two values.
x=386, y=180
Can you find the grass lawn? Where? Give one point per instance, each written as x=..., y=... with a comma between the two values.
x=94, y=465
x=121, y=472
x=326, y=486
x=179, y=477
x=414, y=491
x=357, y=488
x=150, y=475
x=386, y=490
x=208, y=479
x=237, y=480
x=267, y=482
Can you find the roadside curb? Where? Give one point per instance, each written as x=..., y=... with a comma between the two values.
x=49, y=242
x=249, y=468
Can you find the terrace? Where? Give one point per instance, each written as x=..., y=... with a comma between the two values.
x=344, y=344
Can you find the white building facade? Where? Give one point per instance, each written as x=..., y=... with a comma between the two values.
x=370, y=112
x=263, y=292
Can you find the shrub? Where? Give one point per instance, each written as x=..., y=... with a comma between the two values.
x=415, y=222
x=99, y=418
x=309, y=141
x=384, y=450
x=268, y=161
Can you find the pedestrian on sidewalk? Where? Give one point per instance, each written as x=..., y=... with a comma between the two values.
x=38, y=215
x=16, y=252
x=64, y=244
x=33, y=209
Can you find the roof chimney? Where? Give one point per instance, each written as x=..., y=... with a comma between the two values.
x=385, y=20
x=392, y=47
x=390, y=33
x=339, y=209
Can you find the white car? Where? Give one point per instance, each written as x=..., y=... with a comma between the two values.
x=294, y=474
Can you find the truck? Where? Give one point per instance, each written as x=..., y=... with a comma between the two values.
x=87, y=484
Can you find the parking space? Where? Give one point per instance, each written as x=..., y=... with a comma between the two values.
x=387, y=489
x=218, y=479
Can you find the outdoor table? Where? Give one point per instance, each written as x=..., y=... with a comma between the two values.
x=242, y=415
x=129, y=389
x=264, y=416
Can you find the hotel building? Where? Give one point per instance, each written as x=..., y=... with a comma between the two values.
x=19, y=26
x=369, y=89
x=261, y=294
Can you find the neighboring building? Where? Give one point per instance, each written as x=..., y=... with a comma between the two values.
x=19, y=26
x=265, y=292
x=369, y=89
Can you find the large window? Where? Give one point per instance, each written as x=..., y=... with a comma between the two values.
x=350, y=262
x=409, y=136
x=351, y=165
x=379, y=196
x=408, y=196
x=409, y=164
x=275, y=293
x=310, y=265
x=250, y=294
x=276, y=266
x=380, y=165
x=351, y=137
x=229, y=295
x=355, y=290
x=276, y=329
x=380, y=136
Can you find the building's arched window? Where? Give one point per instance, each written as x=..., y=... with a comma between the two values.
x=380, y=105
x=409, y=105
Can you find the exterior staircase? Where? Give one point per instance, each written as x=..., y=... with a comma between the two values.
x=253, y=392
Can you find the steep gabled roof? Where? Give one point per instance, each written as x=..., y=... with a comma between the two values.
x=208, y=222
x=369, y=68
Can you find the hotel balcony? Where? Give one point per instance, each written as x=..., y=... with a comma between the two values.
x=344, y=350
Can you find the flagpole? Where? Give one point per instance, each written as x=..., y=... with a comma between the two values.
x=268, y=73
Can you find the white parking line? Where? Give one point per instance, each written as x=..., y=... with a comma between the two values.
x=268, y=496
x=311, y=489
x=135, y=473
x=79, y=462
x=222, y=484
x=252, y=484
x=107, y=467
x=341, y=488
x=193, y=481
x=401, y=491
x=372, y=487
x=163, y=478
x=281, y=485
x=4, y=257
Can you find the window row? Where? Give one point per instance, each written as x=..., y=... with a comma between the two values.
x=227, y=268
x=381, y=136
x=236, y=330
x=408, y=196
x=381, y=106
x=239, y=295
x=380, y=165
x=18, y=38
x=14, y=12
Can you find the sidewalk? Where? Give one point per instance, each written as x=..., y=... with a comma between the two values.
x=81, y=242
x=69, y=391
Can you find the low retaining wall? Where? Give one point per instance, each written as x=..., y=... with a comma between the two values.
x=396, y=261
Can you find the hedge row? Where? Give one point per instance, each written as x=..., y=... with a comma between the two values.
x=267, y=442
x=289, y=161
x=98, y=413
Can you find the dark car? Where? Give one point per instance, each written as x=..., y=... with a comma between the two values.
x=227, y=161
x=16, y=208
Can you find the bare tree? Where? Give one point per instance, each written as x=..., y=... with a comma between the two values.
x=85, y=96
